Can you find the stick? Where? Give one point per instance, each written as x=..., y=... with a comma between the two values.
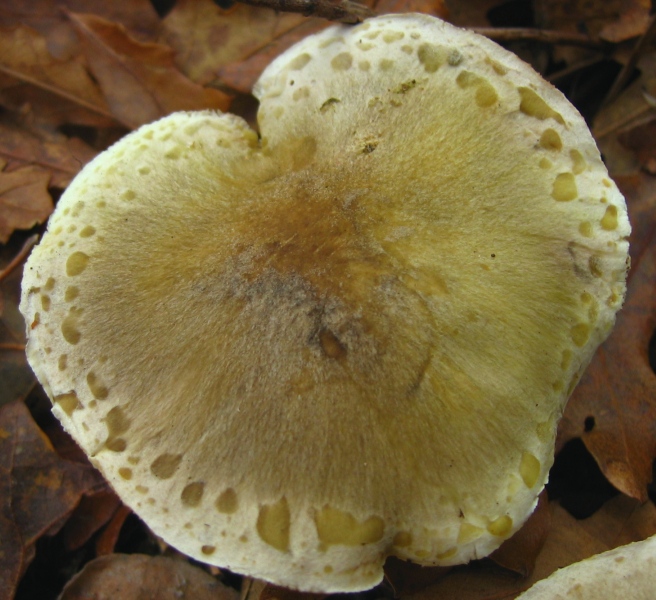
x=23, y=252
x=548, y=36
x=344, y=11
x=16, y=347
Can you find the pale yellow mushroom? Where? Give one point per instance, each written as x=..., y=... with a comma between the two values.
x=352, y=337
x=625, y=573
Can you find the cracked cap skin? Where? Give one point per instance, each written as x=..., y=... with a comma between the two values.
x=351, y=337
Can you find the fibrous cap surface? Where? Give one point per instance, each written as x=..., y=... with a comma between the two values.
x=294, y=356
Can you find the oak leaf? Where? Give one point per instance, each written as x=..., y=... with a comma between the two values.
x=245, y=68
x=38, y=491
x=48, y=17
x=62, y=157
x=139, y=81
x=32, y=76
x=24, y=199
x=206, y=37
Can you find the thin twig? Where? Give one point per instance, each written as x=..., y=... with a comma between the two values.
x=574, y=68
x=627, y=70
x=18, y=259
x=548, y=36
x=344, y=11
x=16, y=347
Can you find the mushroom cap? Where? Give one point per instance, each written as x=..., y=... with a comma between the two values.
x=627, y=572
x=352, y=338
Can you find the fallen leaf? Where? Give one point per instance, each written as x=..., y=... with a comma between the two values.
x=139, y=577
x=38, y=490
x=206, y=37
x=520, y=552
x=471, y=13
x=48, y=17
x=92, y=513
x=139, y=81
x=586, y=16
x=15, y=374
x=613, y=409
x=33, y=76
x=622, y=520
x=592, y=16
x=106, y=542
x=275, y=592
x=24, y=199
x=11, y=559
x=633, y=22
x=251, y=588
x=243, y=71
x=641, y=141
x=405, y=577
x=62, y=157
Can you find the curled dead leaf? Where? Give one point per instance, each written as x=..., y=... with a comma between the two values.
x=138, y=577
x=62, y=157
x=139, y=81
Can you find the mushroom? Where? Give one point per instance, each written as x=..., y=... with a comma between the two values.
x=627, y=572
x=352, y=337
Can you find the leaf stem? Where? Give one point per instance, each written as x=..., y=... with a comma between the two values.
x=18, y=259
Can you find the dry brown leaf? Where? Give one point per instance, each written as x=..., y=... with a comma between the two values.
x=15, y=374
x=206, y=37
x=591, y=16
x=62, y=157
x=92, y=513
x=139, y=80
x=11, y=559
x=38, y=490
x=471, y=13
x=613, y=409
x=633, y=22
x=48, y=17
x=243, y=72
x=275, y=592
x=406, y=577
x=106, y=542
x=621, y=520
x=640, y=140
x=633, y=107
x=520, y=552
x=586, y=16
x=24, y=199
x=33, y=76
x=139, y=577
